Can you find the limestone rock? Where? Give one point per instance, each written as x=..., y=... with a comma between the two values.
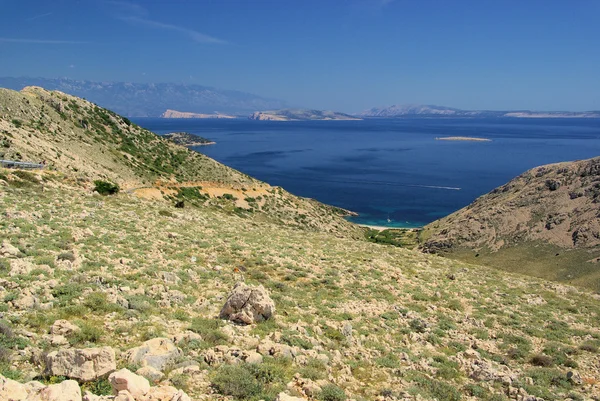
x=63, y=328
x=124, y=379
x=83, y=364
x=124, y=395
x=8, y=250
x=150, y=373
x=12, y=390
x=248, y=304
x=158, y=353
x=166, y=393
x=286, y=397
x=67, y=390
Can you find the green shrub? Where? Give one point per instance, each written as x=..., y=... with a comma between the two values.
x=209, y=329
x=66, y=256
x=333, y=334
x=98, y=387
x=541, y=360
x=331, y=392
x=106, y=188
x=236, y=381
x=313, y=370
x=98, y=302
x=87, y=334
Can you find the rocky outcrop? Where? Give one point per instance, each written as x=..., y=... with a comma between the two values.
x=8, y=250
x=248, y=304
x=158, y=353
x=125, y=380
x=67, y=390
x=82, y=364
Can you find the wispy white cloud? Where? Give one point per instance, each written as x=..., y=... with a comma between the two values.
x=38, y=17
x=128, y=8
x=192, y=34
x=41, y=41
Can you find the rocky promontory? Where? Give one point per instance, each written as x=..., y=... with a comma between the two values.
x=188, y=140
x=183, y=114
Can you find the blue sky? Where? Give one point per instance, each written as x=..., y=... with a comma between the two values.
x=346, y=55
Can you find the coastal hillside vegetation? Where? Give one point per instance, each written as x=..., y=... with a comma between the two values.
x=143, y=288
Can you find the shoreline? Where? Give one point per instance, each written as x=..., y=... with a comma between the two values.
x=382, y=228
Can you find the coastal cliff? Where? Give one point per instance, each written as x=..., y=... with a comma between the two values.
x=182, y=114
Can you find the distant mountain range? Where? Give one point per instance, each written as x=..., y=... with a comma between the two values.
x=412, y=110
x=152, y=100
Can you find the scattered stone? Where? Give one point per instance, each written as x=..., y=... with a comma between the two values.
x=124, y=395
x=12, y=390
x=63, y=328
x=150, y=373
x=8, y=250
x=124, y=379
x=67, y=390
x=286, y=397
x=83, y=364
x=169, y=277
x=159, y=353
x=248, y=304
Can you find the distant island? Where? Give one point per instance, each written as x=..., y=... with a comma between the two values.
x=183, y=114
x=429, y=111
x=300, y=115
x=188, y=140
x=462, y=138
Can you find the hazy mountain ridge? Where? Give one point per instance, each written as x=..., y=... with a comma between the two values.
x=412, y=110
x=151, y=100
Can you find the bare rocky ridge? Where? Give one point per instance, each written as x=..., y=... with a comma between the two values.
x=553, y=207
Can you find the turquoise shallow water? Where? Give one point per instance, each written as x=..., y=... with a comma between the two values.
x=390, y=169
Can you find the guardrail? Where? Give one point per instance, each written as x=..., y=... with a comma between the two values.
x=21, y=165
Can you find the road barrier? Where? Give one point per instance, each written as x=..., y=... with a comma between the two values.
x=21, y=165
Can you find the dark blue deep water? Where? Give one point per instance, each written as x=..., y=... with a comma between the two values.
x=390, y=169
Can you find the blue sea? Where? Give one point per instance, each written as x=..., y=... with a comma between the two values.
x=392, y=172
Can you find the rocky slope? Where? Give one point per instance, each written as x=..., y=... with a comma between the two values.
x=126, y=297
x=125, y=282
x=550, y=214
x=300, y=115
x=88, y=143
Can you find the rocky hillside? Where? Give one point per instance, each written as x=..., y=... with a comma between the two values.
x=125, y=297
x=116, y=294
x=300, y=115
x=86, y=143
x=545, y=222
